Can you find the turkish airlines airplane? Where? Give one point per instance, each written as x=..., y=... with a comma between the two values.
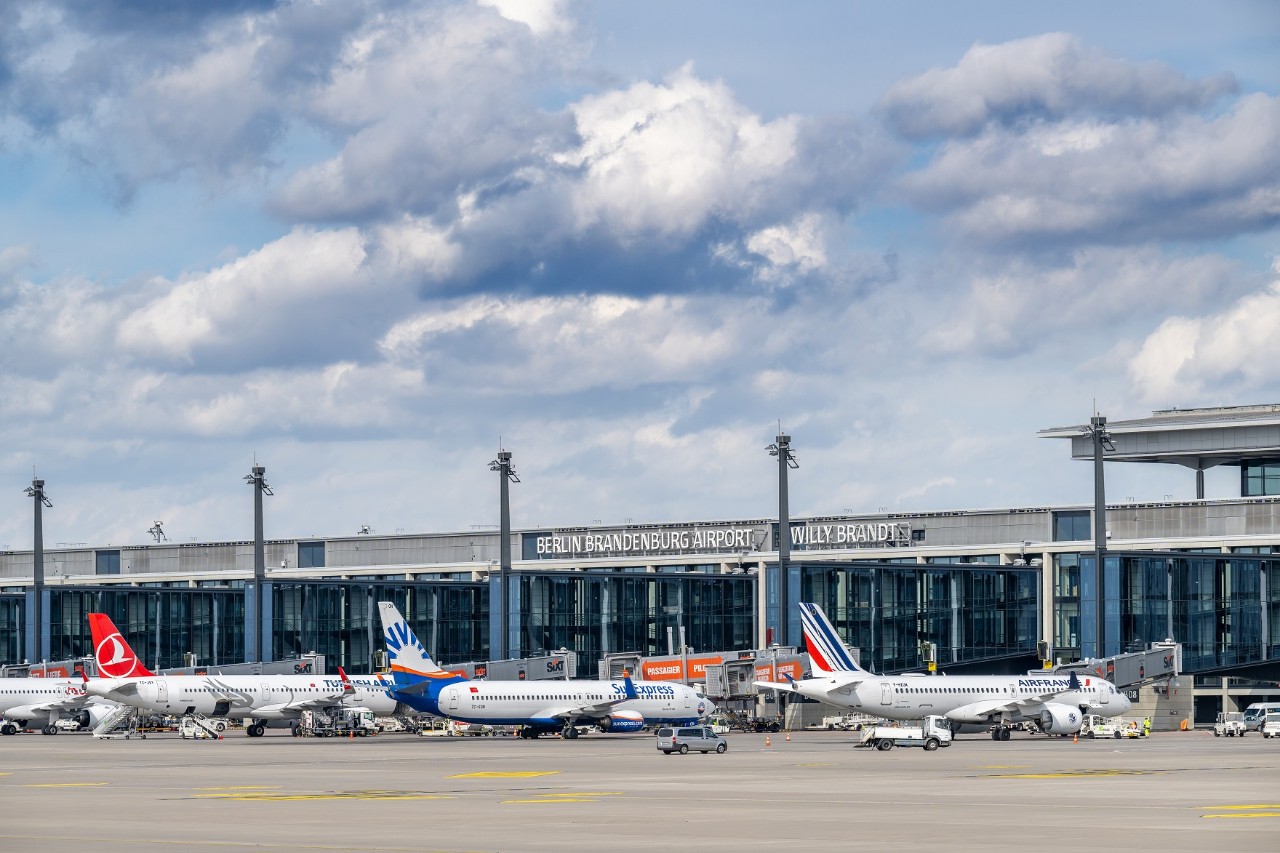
x=25, y=699
x=1055, y=703
x=259, y=698
x=535, y=706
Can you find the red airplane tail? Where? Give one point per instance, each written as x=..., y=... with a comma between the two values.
x=115, y=657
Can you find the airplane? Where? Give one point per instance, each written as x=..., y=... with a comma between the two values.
x=258, y=698
x=1056, y=703
x=536, y=706
x=25, y=699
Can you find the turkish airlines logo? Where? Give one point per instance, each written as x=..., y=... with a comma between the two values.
x=115, y=658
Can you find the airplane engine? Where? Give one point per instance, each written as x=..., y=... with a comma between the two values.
x=1060, y=719
x=622, y=721
x=89, y=717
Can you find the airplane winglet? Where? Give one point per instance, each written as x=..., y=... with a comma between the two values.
x=790, y=679
x=347, y=687
x=629, y=686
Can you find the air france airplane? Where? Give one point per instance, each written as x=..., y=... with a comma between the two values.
x=535, y=706
x=251, y=697
x=1055, y=702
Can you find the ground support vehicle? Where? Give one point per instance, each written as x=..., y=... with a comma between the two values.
x=193, y=727
x=1271, y=724
x=1131, y=728
x=1229, y=724
x=1096, y=726
x=848, y=722
x=336, y=722
x=121, y=723
x=931, y=733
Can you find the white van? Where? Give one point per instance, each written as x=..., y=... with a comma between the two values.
x=1256, y=714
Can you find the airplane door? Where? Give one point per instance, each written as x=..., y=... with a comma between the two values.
x=886, y=694
x=687, y=693
x=453, y=700
x=266, y=692
x=1104, y=693
x=162, y=691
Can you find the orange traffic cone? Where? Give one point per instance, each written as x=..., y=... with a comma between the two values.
x=788, y=737
x=1075, y=738
x=351, y=734
x=767, y=741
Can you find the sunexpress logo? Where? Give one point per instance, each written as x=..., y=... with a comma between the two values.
x=398, y=637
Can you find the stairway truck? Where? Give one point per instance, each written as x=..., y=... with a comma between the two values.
x=929, y=734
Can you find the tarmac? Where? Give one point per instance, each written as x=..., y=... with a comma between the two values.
x=398, y=792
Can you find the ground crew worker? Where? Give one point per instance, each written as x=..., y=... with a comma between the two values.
x=1146, y=727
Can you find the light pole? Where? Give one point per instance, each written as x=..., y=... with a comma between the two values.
x=506, y=474
x=258, y=479
x=1097, y=431
x=36, y=492
x=781, y=448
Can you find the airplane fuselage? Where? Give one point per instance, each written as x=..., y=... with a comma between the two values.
x=548, y=704
x=269, y=697
x=915, y=697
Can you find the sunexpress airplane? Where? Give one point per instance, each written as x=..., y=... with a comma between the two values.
x=535, y=706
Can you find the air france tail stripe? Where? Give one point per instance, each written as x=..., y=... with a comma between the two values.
x=823, y=637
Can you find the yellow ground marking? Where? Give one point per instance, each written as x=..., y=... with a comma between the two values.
x=1244, y=811
x=66, y=785
x=240, y=787
x=566, y=797
x=1255, y=806
x=1073, y=774
x=505, y=774
x=271, y=796
x=1244, y=814
x=818, y=764
x=1002, y=766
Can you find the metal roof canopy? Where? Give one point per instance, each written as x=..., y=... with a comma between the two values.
x=1195, y=438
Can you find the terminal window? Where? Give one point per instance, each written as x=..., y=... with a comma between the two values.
x=1258, y=479
x=311, y=555
x=1072, y=526
x=107, y=562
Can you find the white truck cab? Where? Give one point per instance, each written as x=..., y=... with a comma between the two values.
x=1229, y=724
x=1271, y=724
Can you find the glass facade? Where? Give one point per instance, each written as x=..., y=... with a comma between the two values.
x=596, y=614
x=339, y=619
x=13, y=608
x=161, y=624
x=1211, y=603
x=1260, y=478
x=1072, y=526
x=888, y=610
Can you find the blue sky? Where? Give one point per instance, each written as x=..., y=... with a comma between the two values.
x=364, y=242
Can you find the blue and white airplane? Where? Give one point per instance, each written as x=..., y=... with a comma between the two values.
x=1056, y=703
x=535, y=706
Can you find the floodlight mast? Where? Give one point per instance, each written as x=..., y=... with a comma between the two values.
x=1097, y=431
x=781, y=448
x=257, y=478
x=36, y=491
x=506, y=475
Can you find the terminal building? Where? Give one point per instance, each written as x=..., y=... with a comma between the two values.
x=987, y=588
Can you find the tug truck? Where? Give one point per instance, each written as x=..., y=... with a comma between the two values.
x=931, y=733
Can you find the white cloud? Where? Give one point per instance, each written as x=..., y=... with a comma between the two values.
x=663, y=159
x=1227, y=355
x=540, y=16
x=1046, y=75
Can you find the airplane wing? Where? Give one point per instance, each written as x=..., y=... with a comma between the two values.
x=815, y=687
x=320, y=701
x=1028, y=705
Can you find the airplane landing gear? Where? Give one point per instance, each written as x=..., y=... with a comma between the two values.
x=1001, y=733
x=569, y=733
x=256, y=730
x=49, y=730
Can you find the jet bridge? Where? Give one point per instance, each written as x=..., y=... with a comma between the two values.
x=1129, y=671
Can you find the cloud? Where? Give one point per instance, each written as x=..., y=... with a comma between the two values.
x=1182, y=177
x=1017, y=307
x=1225, y=355
x=1045, y=77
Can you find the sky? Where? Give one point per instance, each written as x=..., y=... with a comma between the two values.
x=368, y=244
